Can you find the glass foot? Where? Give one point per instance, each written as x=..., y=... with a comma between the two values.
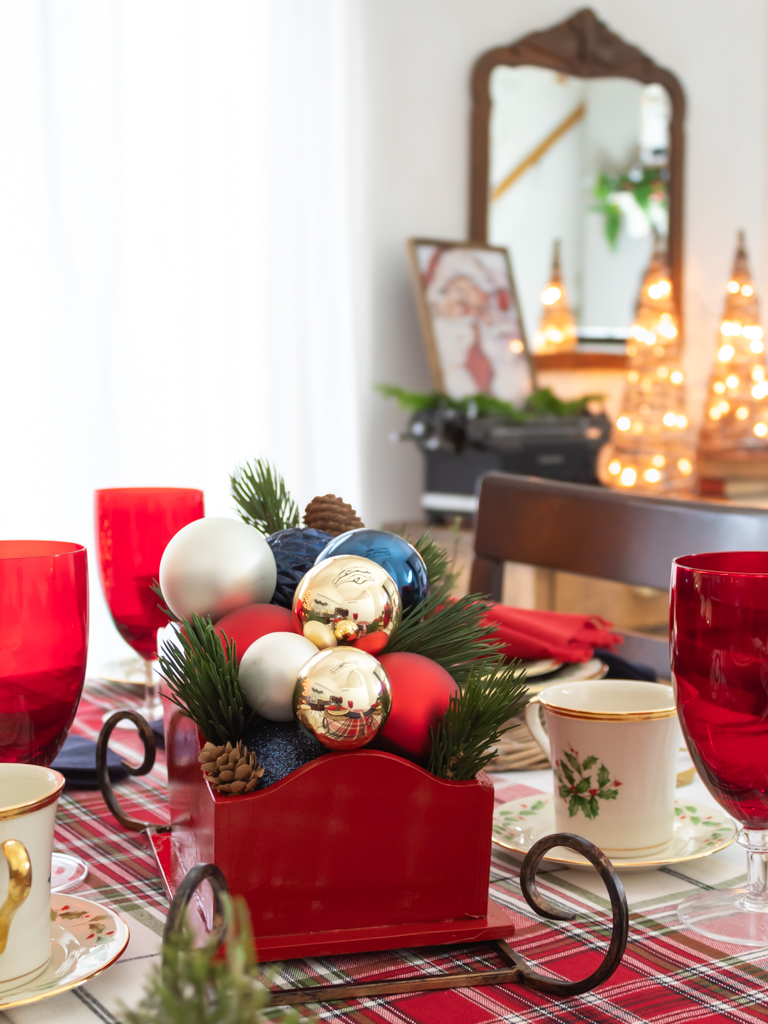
x=728, y=915
x=67, y=872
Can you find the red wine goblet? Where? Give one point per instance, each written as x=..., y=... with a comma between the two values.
x=43, y=651
x=134, y=525
x=719, y=653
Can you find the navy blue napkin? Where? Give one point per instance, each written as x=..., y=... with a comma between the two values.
x=77, y=763
x=620, y=668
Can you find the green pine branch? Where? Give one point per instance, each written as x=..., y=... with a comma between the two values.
x=202, y=677
x=154, y=586
x=463, y=742
x=263, y=500
x=450, y=632
x=195, y=986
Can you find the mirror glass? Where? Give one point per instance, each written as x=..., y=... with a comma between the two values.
x=583, y=162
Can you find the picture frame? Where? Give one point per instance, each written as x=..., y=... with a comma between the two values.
x=470, y=320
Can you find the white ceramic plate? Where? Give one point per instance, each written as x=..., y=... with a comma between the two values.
x=86, y=938
x=576, y=673
x=540, y=668
x=699, y=831
x=125, y=672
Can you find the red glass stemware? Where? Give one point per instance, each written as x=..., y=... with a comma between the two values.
x=134, y=525
x=43, y=645
x=719, y=654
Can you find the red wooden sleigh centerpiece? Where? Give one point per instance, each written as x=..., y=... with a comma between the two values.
x=328, y=712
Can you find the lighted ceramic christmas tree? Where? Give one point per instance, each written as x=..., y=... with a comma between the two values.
x=652, y=448
x=736, y=416
x=557, y=330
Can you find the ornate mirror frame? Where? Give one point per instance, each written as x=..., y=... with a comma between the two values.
x=582, y=46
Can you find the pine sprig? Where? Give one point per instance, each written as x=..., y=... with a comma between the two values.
x=263, y=500
x=450, y=632
x=203, y=680
x=462, y=743
x=195, y=986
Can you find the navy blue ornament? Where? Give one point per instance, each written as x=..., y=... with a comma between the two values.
x=401, y=560
x=295, y=551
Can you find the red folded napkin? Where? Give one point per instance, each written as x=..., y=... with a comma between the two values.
x=531, y=635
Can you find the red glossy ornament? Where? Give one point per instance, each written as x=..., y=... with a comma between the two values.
x=421, y=690
x=134, y=525
x=248, y=624
x=43, y=645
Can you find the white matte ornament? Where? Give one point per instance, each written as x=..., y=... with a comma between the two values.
x=213, y=566
x=269, y=670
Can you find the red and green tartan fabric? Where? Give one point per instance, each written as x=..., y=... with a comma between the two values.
x=668, y=976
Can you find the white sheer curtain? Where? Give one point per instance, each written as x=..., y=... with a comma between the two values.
x=179, y=254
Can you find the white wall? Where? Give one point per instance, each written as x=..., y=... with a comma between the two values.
x=419, y=55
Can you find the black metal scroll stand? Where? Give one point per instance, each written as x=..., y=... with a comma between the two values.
x=518, y=971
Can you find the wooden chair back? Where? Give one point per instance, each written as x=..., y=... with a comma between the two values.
x=607, y=534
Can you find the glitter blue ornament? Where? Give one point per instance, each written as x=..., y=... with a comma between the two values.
x=295, y=551
x=400, y=559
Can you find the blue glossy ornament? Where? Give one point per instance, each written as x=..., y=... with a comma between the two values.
x=295, y=551
x=401, y=560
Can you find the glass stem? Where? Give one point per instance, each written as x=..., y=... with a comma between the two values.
x=755, y=842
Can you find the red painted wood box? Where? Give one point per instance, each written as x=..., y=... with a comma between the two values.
x=352, y=852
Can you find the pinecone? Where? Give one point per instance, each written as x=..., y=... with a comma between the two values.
x=230, y=769
x=331, y=514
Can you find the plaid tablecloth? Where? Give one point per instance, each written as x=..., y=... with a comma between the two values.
x=668, y=976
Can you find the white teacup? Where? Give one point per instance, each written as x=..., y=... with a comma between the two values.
x=613, y=747
x=29, y=797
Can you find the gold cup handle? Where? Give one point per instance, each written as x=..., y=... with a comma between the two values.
x=19, y=885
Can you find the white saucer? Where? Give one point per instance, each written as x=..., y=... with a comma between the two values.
x=86, y=938
x=574, y=673
x=699, y=831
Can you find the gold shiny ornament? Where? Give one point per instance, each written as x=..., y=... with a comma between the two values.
x=319, y=634
x=342, y=697
x=355, y=598
x=345, y=631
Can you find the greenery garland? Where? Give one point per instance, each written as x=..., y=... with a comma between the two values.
x=541, y=402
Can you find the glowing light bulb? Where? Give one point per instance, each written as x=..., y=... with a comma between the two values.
x=629, y=476
x=550, y=295
x=759, y=391
x=747, y=289
x=669, y=419
x=516, y=346
x=681, y=422
x=614, y=468
x=732, y=381
x=742, y=412
x=663, y=372
x=659, y=289
x=685, y=466
x=665, y=326
x=718, y=387
x=652, y=476
x=633, y=376
x=758, y=373
x=676, y=377
x=724, y=407
x=641, y=334
x=659, y=461
x=733, y=287
x=753, y=331
x=757, y=347
x=726, y=353
x=760, y=429
x=623, y=423
x=714, y=412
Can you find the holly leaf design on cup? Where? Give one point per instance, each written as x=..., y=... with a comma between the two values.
x=575, y=784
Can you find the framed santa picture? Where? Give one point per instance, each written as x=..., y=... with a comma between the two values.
x=470, y=319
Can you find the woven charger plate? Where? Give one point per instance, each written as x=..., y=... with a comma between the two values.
x=517, y=749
